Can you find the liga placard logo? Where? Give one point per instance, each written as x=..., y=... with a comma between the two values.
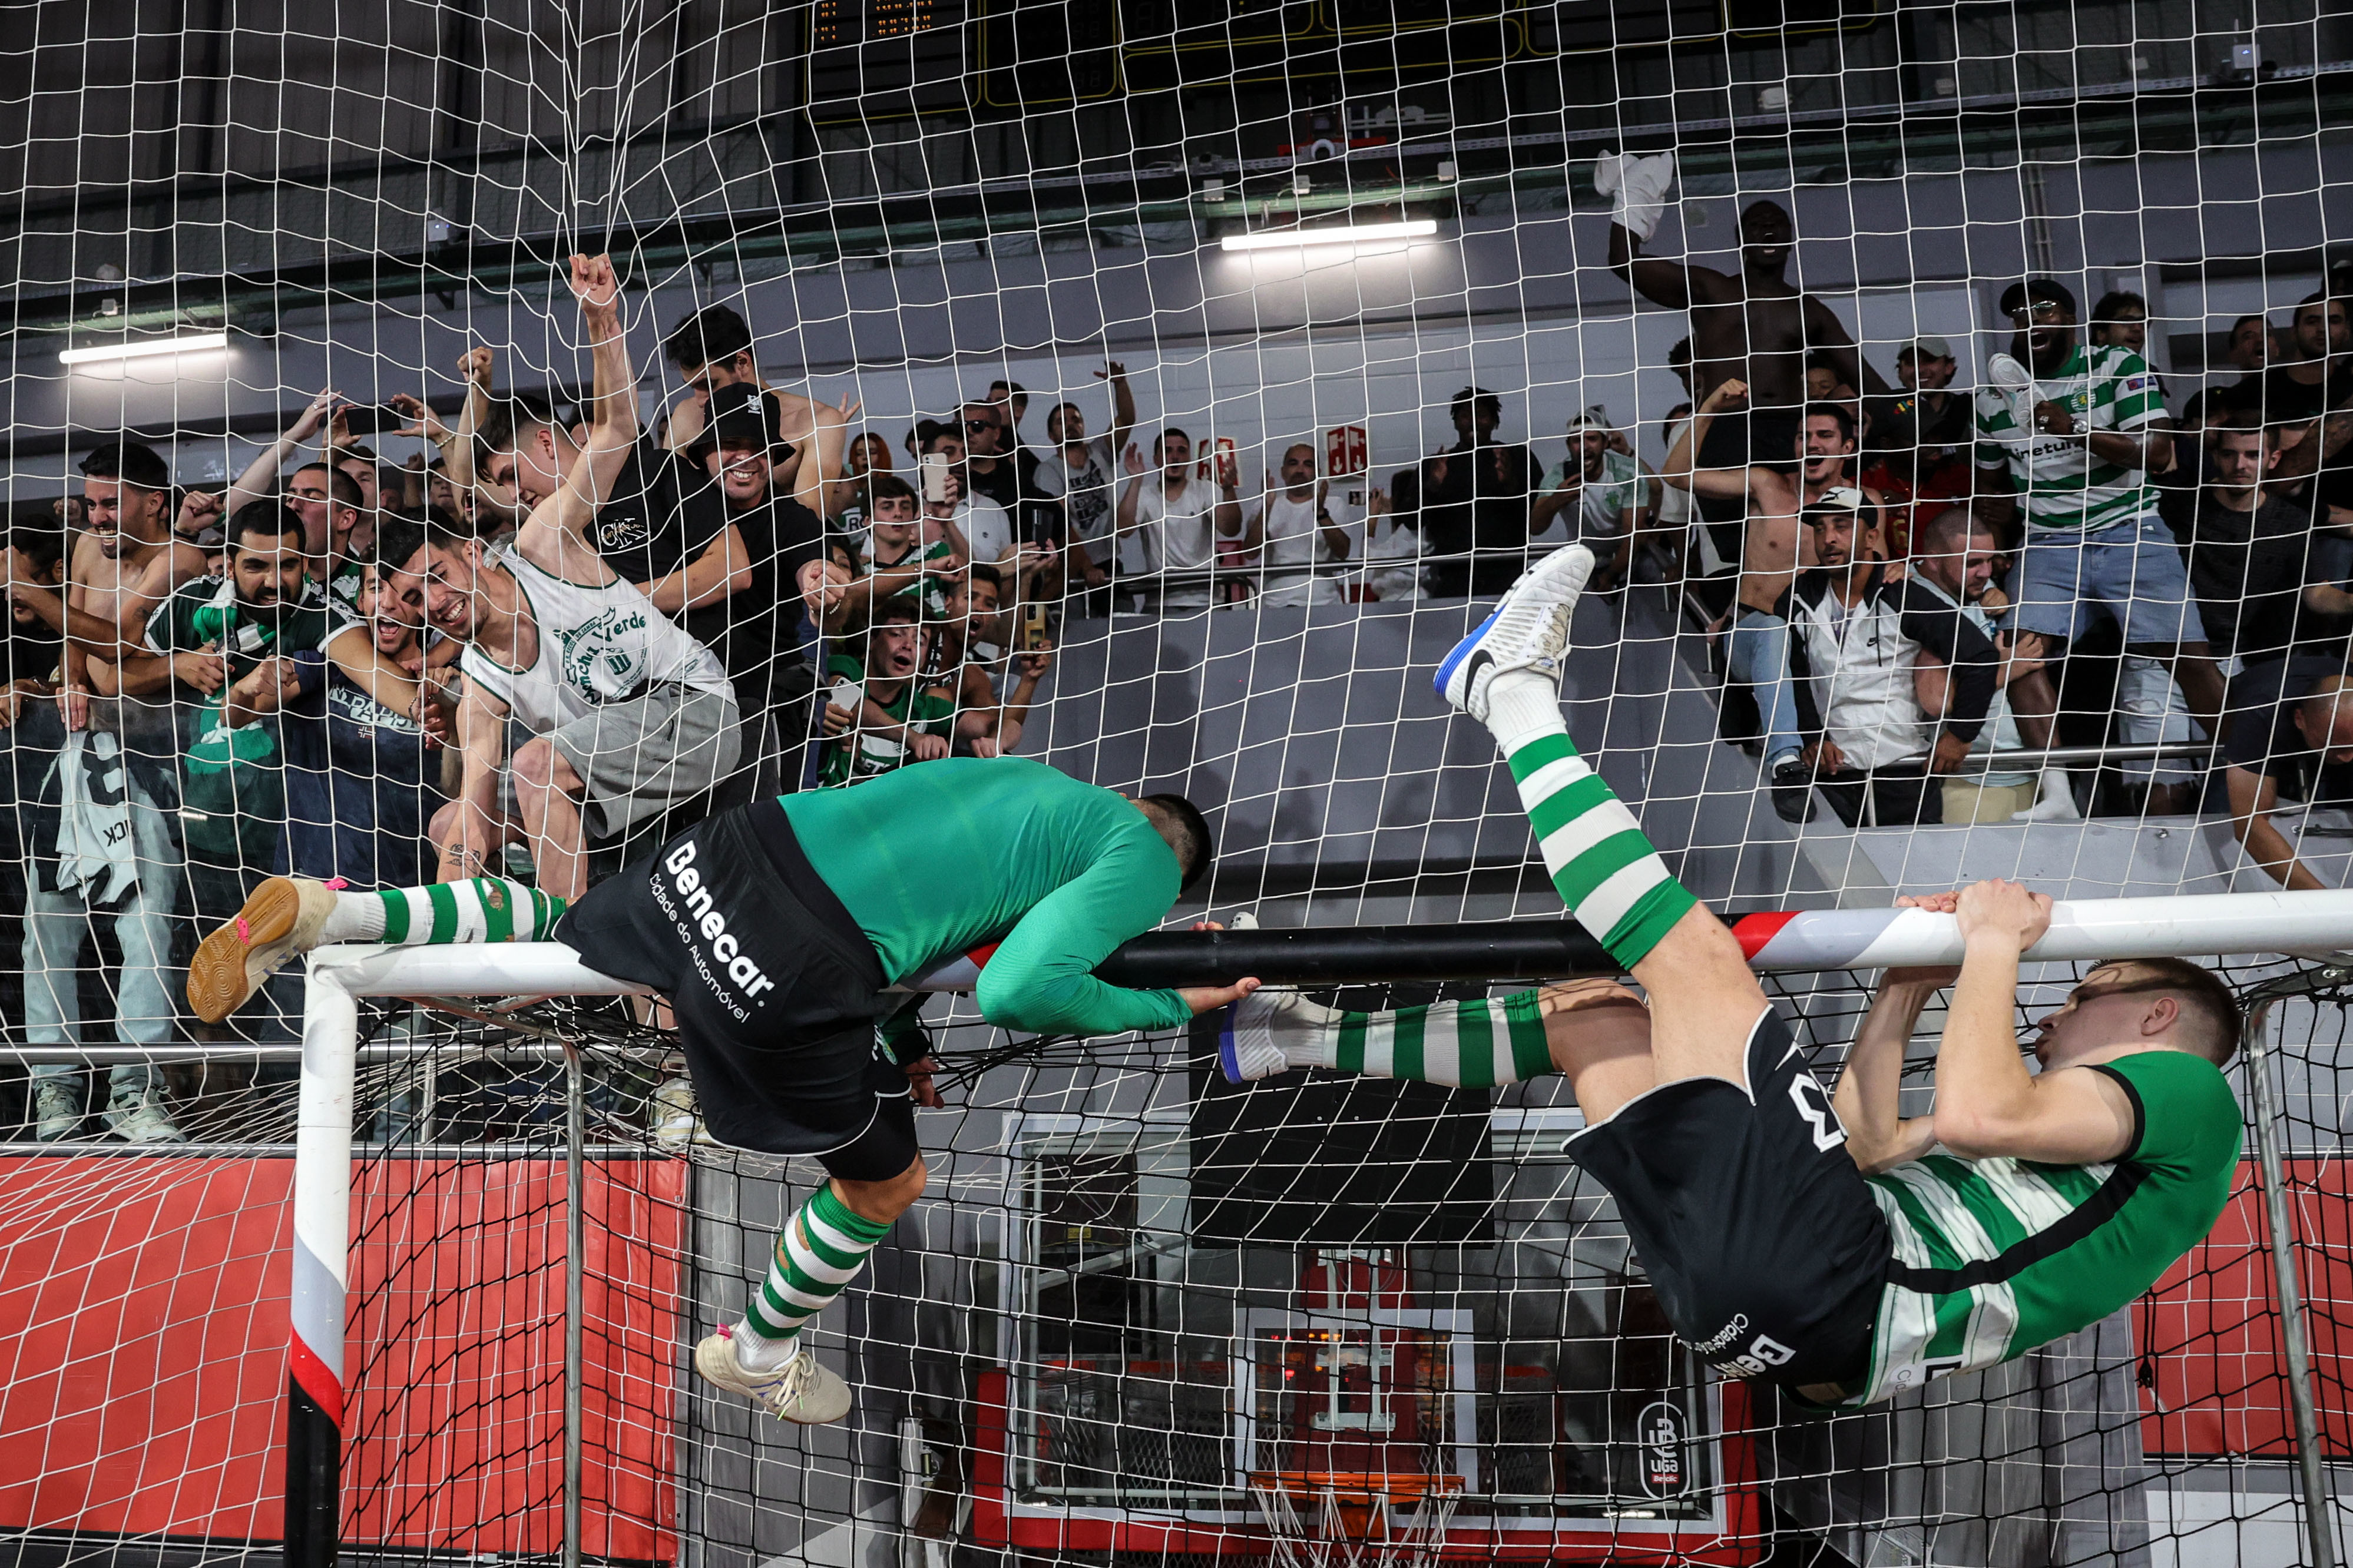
x=1659, y=1434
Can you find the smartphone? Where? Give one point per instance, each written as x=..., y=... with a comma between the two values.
x=1031, y=635
x=935, y=477
x=363, y=419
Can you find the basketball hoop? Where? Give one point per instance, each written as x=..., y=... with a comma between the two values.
x=1353, y=1519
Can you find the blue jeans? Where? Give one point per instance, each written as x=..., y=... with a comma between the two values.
x=1758, y=656
x=57, y=926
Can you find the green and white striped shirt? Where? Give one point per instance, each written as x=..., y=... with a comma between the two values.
x=1994, y=1257
x=2061, y=485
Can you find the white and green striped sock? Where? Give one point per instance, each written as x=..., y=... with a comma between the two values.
x=818, y=1254
x=1474, y=1044
x=1607, y=872
x=483, y=908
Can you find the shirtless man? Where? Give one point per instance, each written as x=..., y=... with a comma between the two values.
x=1774, y=549
x=1754, y=326
x=125, y=563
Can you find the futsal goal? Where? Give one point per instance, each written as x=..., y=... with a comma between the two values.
x=1152, y=1314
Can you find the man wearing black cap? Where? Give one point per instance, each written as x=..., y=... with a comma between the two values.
x=759, y=627
x=1855, y=647
x=2076, y=430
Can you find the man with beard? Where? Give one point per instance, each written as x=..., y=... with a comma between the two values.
x=2075, y=431
x=232, y=648
x=758, y=626
x=1754, y=326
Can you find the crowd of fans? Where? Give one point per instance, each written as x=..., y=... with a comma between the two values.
x=561, y=636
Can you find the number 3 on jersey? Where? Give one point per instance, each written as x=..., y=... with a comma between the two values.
x=1813, y=1103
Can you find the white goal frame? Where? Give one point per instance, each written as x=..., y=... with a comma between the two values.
x=2315, y=924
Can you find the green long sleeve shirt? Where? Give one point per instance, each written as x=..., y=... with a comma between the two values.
x=938, y=858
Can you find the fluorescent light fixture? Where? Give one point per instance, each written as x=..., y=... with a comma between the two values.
x=1359, y=233
x=194, y=343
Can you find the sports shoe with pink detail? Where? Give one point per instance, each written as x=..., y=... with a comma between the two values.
x=281, y=917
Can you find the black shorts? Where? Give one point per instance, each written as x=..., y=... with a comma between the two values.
x=1761, y=1238
x=777, y=991
x=1759, y=438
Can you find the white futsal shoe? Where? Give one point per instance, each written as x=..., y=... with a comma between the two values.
x=1267, y=1032
x=1529, y=630
x=803, y=1390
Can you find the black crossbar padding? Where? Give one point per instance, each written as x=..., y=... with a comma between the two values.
x=1359, y=955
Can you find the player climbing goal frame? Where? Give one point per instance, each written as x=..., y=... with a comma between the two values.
x=480, y=979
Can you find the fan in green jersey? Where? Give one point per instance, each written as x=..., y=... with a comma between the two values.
x=774, y=930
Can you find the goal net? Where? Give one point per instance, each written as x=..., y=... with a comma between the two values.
x=1252, y=349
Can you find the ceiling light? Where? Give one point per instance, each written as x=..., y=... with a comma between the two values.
x=194, y=343
x=1359, y=233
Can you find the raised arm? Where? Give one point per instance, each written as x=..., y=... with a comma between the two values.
x=555, y=536
x=820, y=469
x=1869, y=1097
x=1988, y=1104
x=260, y=480
x=1667, y=283
x=1123, y=403
x=1727, y=484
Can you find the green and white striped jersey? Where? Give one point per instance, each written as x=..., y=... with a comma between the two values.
x=1994, y=1257
x=2060, y=484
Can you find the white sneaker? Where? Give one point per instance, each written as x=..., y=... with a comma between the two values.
x=56, y=1108
x=142, y=1117
x=1529, y=630
x=802, y=1390
x=281, y=918
x=1267, y=1032
x=677, y=1121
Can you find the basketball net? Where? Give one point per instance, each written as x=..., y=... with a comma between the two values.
x=1341, y=1518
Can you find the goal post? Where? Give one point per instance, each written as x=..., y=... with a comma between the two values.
x=316, y=1387
x=2311, y=923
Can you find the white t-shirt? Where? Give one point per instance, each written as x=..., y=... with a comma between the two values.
x=1605, y=501
x=1089, y=494
x=1294, y=542
x=986, y=527
x=1177, y=533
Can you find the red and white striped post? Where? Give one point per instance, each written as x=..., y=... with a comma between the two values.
x=322, y=1207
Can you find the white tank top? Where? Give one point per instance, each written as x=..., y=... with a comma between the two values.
x=595, y=645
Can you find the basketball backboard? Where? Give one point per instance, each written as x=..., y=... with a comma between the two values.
x=1161, y=1393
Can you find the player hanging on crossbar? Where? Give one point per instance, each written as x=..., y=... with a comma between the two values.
x=773, y=931
x=1818, y=1241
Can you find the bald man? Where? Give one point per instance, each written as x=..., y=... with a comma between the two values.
x=2289, y=735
